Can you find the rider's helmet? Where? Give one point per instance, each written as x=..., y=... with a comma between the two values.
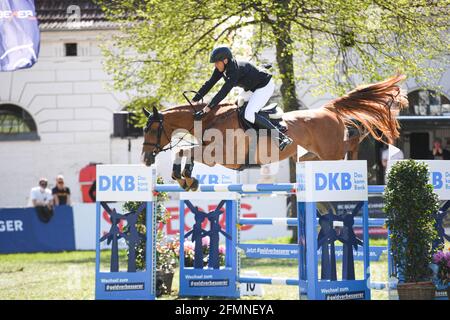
x=220, y=54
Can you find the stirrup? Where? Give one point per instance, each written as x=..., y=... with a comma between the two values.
x=284, y=142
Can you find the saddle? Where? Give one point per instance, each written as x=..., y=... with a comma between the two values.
x=271, y=112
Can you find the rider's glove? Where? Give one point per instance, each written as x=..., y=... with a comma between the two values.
x=199, y=114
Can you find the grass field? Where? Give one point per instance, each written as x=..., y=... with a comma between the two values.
x=71, y=275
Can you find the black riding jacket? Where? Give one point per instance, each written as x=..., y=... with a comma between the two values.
x=237, y=73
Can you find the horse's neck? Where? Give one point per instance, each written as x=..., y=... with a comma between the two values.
x=179, y=118
x=182, y=117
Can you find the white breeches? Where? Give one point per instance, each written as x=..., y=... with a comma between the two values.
x=256, y=100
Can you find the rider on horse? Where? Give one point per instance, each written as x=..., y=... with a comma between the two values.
x=245, y=75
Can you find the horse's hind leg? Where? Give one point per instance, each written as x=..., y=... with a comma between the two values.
x=176, y=171
x=191, y=183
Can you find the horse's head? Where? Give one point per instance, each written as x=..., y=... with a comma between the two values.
x=155, y=137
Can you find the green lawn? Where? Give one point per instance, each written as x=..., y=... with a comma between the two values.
x=70, y=275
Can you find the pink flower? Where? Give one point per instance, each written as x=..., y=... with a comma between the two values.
x=188, y=245
x=221, y=249
x=205, y=241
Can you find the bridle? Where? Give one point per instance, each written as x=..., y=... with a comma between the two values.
x=159, y=133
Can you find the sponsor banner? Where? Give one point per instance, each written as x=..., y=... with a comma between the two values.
x=277, y=251
x=208, y=282
x=124, y=285
x=439, y=171
x=254, y=207
x=124, y=182
x=251, y=207
x=21, y=230
x=343, y=290
x=332, y=181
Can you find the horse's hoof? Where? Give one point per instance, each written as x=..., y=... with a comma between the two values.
x=183, y=184
x=194, y=185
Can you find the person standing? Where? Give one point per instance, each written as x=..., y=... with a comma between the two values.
x=61, y=193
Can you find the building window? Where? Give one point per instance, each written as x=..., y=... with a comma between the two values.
x=16, y=124
x=71, y=49
x=427, y=103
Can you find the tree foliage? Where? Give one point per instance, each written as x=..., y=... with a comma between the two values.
x=331, y=44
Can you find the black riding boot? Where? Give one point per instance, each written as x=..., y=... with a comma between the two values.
x=264, y=123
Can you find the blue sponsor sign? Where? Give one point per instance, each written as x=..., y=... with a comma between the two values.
x=332, y=181
x=22, y=231
x=124, y=182
x=284, y=251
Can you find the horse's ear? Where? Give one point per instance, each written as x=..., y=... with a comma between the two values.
x=155, y=112
x=146, y=112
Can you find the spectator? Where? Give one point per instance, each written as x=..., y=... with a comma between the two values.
x=41, y=198
x=438, y=152
x=61, y=193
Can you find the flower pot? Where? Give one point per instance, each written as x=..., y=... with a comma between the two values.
x=416, y=291
x=163, y=282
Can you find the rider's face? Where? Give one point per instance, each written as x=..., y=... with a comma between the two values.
x=220, y=65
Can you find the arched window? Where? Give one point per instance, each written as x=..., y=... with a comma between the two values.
x=427, y=103
x=16, y=124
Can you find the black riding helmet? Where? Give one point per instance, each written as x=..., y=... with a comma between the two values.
x=220, y=54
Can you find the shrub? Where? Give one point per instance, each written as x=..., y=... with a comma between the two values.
x=410, y=205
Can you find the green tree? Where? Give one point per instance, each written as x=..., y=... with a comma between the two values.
x=332, y=44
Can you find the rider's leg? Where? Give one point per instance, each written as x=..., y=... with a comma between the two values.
x=244, y=96
x=257, y=101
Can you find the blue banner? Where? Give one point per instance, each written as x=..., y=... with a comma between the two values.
x=19, y=35
x=21, y=230
x=283, y=251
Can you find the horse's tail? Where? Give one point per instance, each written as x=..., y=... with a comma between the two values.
x=373, y=107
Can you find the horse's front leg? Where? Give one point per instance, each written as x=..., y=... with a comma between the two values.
x=176, y=171
x=191, y=183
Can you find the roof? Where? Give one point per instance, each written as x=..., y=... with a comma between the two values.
x=60, y=15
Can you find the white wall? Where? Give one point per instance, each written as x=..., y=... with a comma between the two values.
x=73, y=111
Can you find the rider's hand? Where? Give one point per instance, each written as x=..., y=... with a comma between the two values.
x=199, y=115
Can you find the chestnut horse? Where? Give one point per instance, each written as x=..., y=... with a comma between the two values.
x=371, y=109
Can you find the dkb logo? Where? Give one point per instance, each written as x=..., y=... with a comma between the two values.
x=437, y=180
x=213, y=179
x=333, y=181
x=116, y=183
